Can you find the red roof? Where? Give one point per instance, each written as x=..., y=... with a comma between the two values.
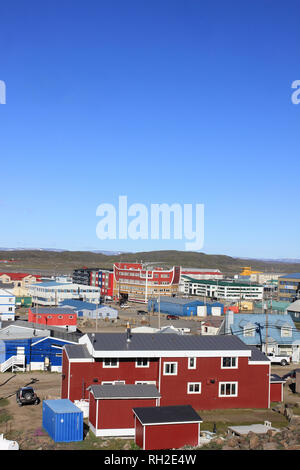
x=20, y=276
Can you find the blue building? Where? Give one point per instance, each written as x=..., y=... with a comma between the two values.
x=185, y=307
x=35, y=353
x=283, y=338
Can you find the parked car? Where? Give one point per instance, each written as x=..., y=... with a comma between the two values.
x=27, y=396
x=282, y=360
x=172, y=317
x=142, y=312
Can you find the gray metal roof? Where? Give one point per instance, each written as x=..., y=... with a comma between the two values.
x=57, y=332
x=167, y=414
x=124, y=391
x=165, y=342
x=257, y=355
x=52, y=310
x=294, y=307
x=77, y=351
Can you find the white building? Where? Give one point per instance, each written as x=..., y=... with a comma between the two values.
x=264, y=278
x=52, y=293
x=7, y=305
x=223, y=290
x=198, y=273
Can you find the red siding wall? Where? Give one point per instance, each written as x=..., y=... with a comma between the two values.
x=67, y=319
x=252, y=384
x=171, y=436
x=138, y=433
x=64, y=375
x=87, y=372
x=276, y=392
x=116, y=414
x=253, y=381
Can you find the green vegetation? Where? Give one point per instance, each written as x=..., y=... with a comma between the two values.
x=91, y=442
x=49, y=262
x=4, y=416
x=239, y=417
x=3, y=402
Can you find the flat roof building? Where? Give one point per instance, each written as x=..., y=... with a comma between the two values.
x=289, y=287
x=225, y=290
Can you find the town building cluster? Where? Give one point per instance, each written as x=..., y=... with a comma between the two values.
x=146, y=382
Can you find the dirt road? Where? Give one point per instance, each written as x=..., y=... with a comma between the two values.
x=47, y=386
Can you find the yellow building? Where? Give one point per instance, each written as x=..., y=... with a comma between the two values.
x=247, y=271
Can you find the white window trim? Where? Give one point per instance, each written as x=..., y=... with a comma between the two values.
x=194, y=383
x=148, y=382
x=110, y=366
x=286, y=332
x=141, y=365
x=113, y=382
x=227, y=383
x=249, y=331
x=195, y=363
x=170, y=373
x=229, y=367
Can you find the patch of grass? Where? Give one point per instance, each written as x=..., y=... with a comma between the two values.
x=91, y=442
x=3, y=402
x=4, y=416
x=210, y=446
x=239, y=417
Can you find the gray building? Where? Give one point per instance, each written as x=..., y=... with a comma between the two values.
x=294, y=310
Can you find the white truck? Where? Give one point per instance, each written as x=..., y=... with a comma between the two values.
x=283, y=360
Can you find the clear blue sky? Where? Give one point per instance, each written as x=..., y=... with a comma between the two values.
x=164, y=101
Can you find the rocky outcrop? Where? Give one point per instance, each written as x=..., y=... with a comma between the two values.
x=287, y=438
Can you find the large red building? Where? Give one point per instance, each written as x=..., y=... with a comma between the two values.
x=206, y=372
x=138, y=282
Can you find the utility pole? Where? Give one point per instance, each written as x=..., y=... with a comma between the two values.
x=159, y=311
x=258, y=330
x=266, y=313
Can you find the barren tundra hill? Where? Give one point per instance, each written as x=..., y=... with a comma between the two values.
x=64, y=262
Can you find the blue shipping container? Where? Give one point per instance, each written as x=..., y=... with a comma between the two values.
x=63, y=420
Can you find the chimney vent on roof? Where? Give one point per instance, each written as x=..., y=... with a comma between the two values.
x=128, y=333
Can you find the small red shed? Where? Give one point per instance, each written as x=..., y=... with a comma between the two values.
x=166, y=427
x=111, y=407
x=276, y=388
